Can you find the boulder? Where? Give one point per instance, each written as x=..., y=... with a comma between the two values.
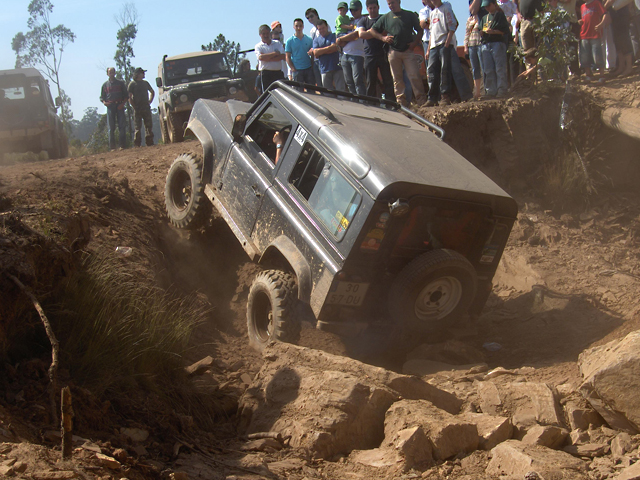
x=449, y=434
x=518, y=459
x=621, y=444
x=581, y=416
x=490, y=401
x=535, y=399
x=588, y=449
x=630, y=473
x=611, y=380
x=328, y=404
x=491, y=429
x=547, y=436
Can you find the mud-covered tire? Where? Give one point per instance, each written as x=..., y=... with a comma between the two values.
x=64, y=146
x=184, y=198
x=164, y=132
x=432, y=291
x=174, y=126
x=54, y=152
x=271, y=309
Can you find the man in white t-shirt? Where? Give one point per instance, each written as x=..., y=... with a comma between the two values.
x=270, y=54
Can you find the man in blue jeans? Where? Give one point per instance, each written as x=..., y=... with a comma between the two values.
x=352, y=59
x=297, y=51
x=114, y=96
x=443, y=57
x=494, y=26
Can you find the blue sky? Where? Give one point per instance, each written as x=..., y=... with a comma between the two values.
x=165, y=27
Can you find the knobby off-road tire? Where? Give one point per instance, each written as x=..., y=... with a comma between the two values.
x=432, y=291
x=184, y=198
x=164, y=132
x=270, y=309
x=176, y=134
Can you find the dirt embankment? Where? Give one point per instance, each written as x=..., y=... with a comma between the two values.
x=568, y=278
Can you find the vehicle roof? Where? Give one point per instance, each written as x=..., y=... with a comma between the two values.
x=396, y=149
x=192, y=54
x=27, y=72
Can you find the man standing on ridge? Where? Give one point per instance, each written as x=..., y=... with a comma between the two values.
x=297, y=52
x=375, y=58
x=352, y=59
x=270, y=54
x=140, y=100
x=114, y=96
x=403, y=34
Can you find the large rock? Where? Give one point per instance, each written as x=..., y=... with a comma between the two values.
x=547, y=436
x=611, y=381
x=630, y=473
x=491, y=429
x=327, y=403
x=449, y=434
x=516, y=458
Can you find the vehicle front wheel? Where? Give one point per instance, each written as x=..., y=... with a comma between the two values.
x=432, y=291
x=270, y=309
x=164, y=132
x=184, y=198
x=174, y=125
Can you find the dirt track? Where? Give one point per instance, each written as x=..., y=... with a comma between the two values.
x=568, y=280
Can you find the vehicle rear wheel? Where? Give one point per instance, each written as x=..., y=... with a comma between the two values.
x=433, y=290
x=54, y=151
x=174, y=125
x=64, y=146
x=186, y=203
x=270, y=309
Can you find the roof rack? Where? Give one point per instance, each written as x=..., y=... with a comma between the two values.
x=294, y=89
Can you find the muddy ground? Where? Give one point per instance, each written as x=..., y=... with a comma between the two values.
x=568, y=279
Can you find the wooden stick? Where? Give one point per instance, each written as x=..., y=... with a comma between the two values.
x=55, y=347
x=66, y=425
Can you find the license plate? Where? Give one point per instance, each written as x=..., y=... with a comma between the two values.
x=348, y=293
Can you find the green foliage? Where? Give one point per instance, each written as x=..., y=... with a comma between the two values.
x=84, y=128
x=554, y=41
x=117, y=332
x=66, y=115
x=127, y=20
x=99, y=140
x=42, y=46
x=230, y=49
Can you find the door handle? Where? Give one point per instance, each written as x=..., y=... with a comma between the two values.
x=256, y=192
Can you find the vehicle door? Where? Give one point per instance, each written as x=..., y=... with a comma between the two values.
x=251, y=166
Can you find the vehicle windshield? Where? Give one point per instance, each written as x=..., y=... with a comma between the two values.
x=203, y=67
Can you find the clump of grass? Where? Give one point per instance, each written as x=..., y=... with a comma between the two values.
x=119, y=332
x=27, y=157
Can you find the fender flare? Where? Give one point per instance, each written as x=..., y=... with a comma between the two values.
x=290, y=252
x=196, y=127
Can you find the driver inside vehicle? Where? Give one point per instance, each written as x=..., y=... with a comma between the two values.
x=279, y=139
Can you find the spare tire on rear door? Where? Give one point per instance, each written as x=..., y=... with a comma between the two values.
x=433, y=290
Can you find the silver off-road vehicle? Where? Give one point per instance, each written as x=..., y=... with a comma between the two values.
x=367, y=218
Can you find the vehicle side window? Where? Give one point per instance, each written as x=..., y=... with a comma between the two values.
x=333, y=199
x=263, y=128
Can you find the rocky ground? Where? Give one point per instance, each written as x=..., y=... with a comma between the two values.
x=567, y=282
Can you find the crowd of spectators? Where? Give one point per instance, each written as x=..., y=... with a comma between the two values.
x=391, y=55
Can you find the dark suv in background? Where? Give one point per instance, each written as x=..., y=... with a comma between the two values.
x=359, y=214
x=183, y=79
x=28, y=119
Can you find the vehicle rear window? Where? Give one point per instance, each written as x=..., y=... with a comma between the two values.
x=12, y=87
x=329, y=194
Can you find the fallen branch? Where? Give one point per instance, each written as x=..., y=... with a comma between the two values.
x=275, y=435
x=55, y=347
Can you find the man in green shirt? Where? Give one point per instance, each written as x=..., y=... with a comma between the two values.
x=403, y=33
x=140, y=100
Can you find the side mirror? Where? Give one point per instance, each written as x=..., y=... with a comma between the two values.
x=158, y=82
x=238, y=127
x=58, y=101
